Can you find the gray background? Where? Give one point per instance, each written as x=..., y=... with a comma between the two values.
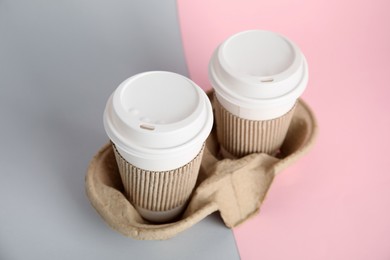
x=59, y=62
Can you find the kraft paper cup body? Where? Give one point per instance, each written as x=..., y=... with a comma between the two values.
x=257, y=77
x=158, y=122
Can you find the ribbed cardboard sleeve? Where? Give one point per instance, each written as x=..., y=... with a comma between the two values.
x=239, y=137
x=158, y=190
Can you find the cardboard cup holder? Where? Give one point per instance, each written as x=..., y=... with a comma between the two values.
x=234, y=187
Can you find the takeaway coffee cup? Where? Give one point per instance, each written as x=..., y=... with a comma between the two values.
x=158, y=123
x=257, y=77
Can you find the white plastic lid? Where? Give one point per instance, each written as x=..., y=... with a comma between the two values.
x=158, y=120
x=258, y=75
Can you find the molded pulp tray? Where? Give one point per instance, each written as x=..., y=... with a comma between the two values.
x=235, y=188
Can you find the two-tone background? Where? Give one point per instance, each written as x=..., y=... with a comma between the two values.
x=60, y=60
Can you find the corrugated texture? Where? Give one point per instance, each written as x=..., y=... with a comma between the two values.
x=239, y=137
x=158, y=190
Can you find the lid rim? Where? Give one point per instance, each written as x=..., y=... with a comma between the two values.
x=226, y=92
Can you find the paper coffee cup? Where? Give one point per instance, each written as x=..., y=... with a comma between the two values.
x=158, y=123
x=257, y=77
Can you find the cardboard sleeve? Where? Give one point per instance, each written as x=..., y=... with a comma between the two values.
x=158, y=190
x=234, y=187
x=239, y=137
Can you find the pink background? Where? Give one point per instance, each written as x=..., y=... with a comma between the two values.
x=335, y=202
